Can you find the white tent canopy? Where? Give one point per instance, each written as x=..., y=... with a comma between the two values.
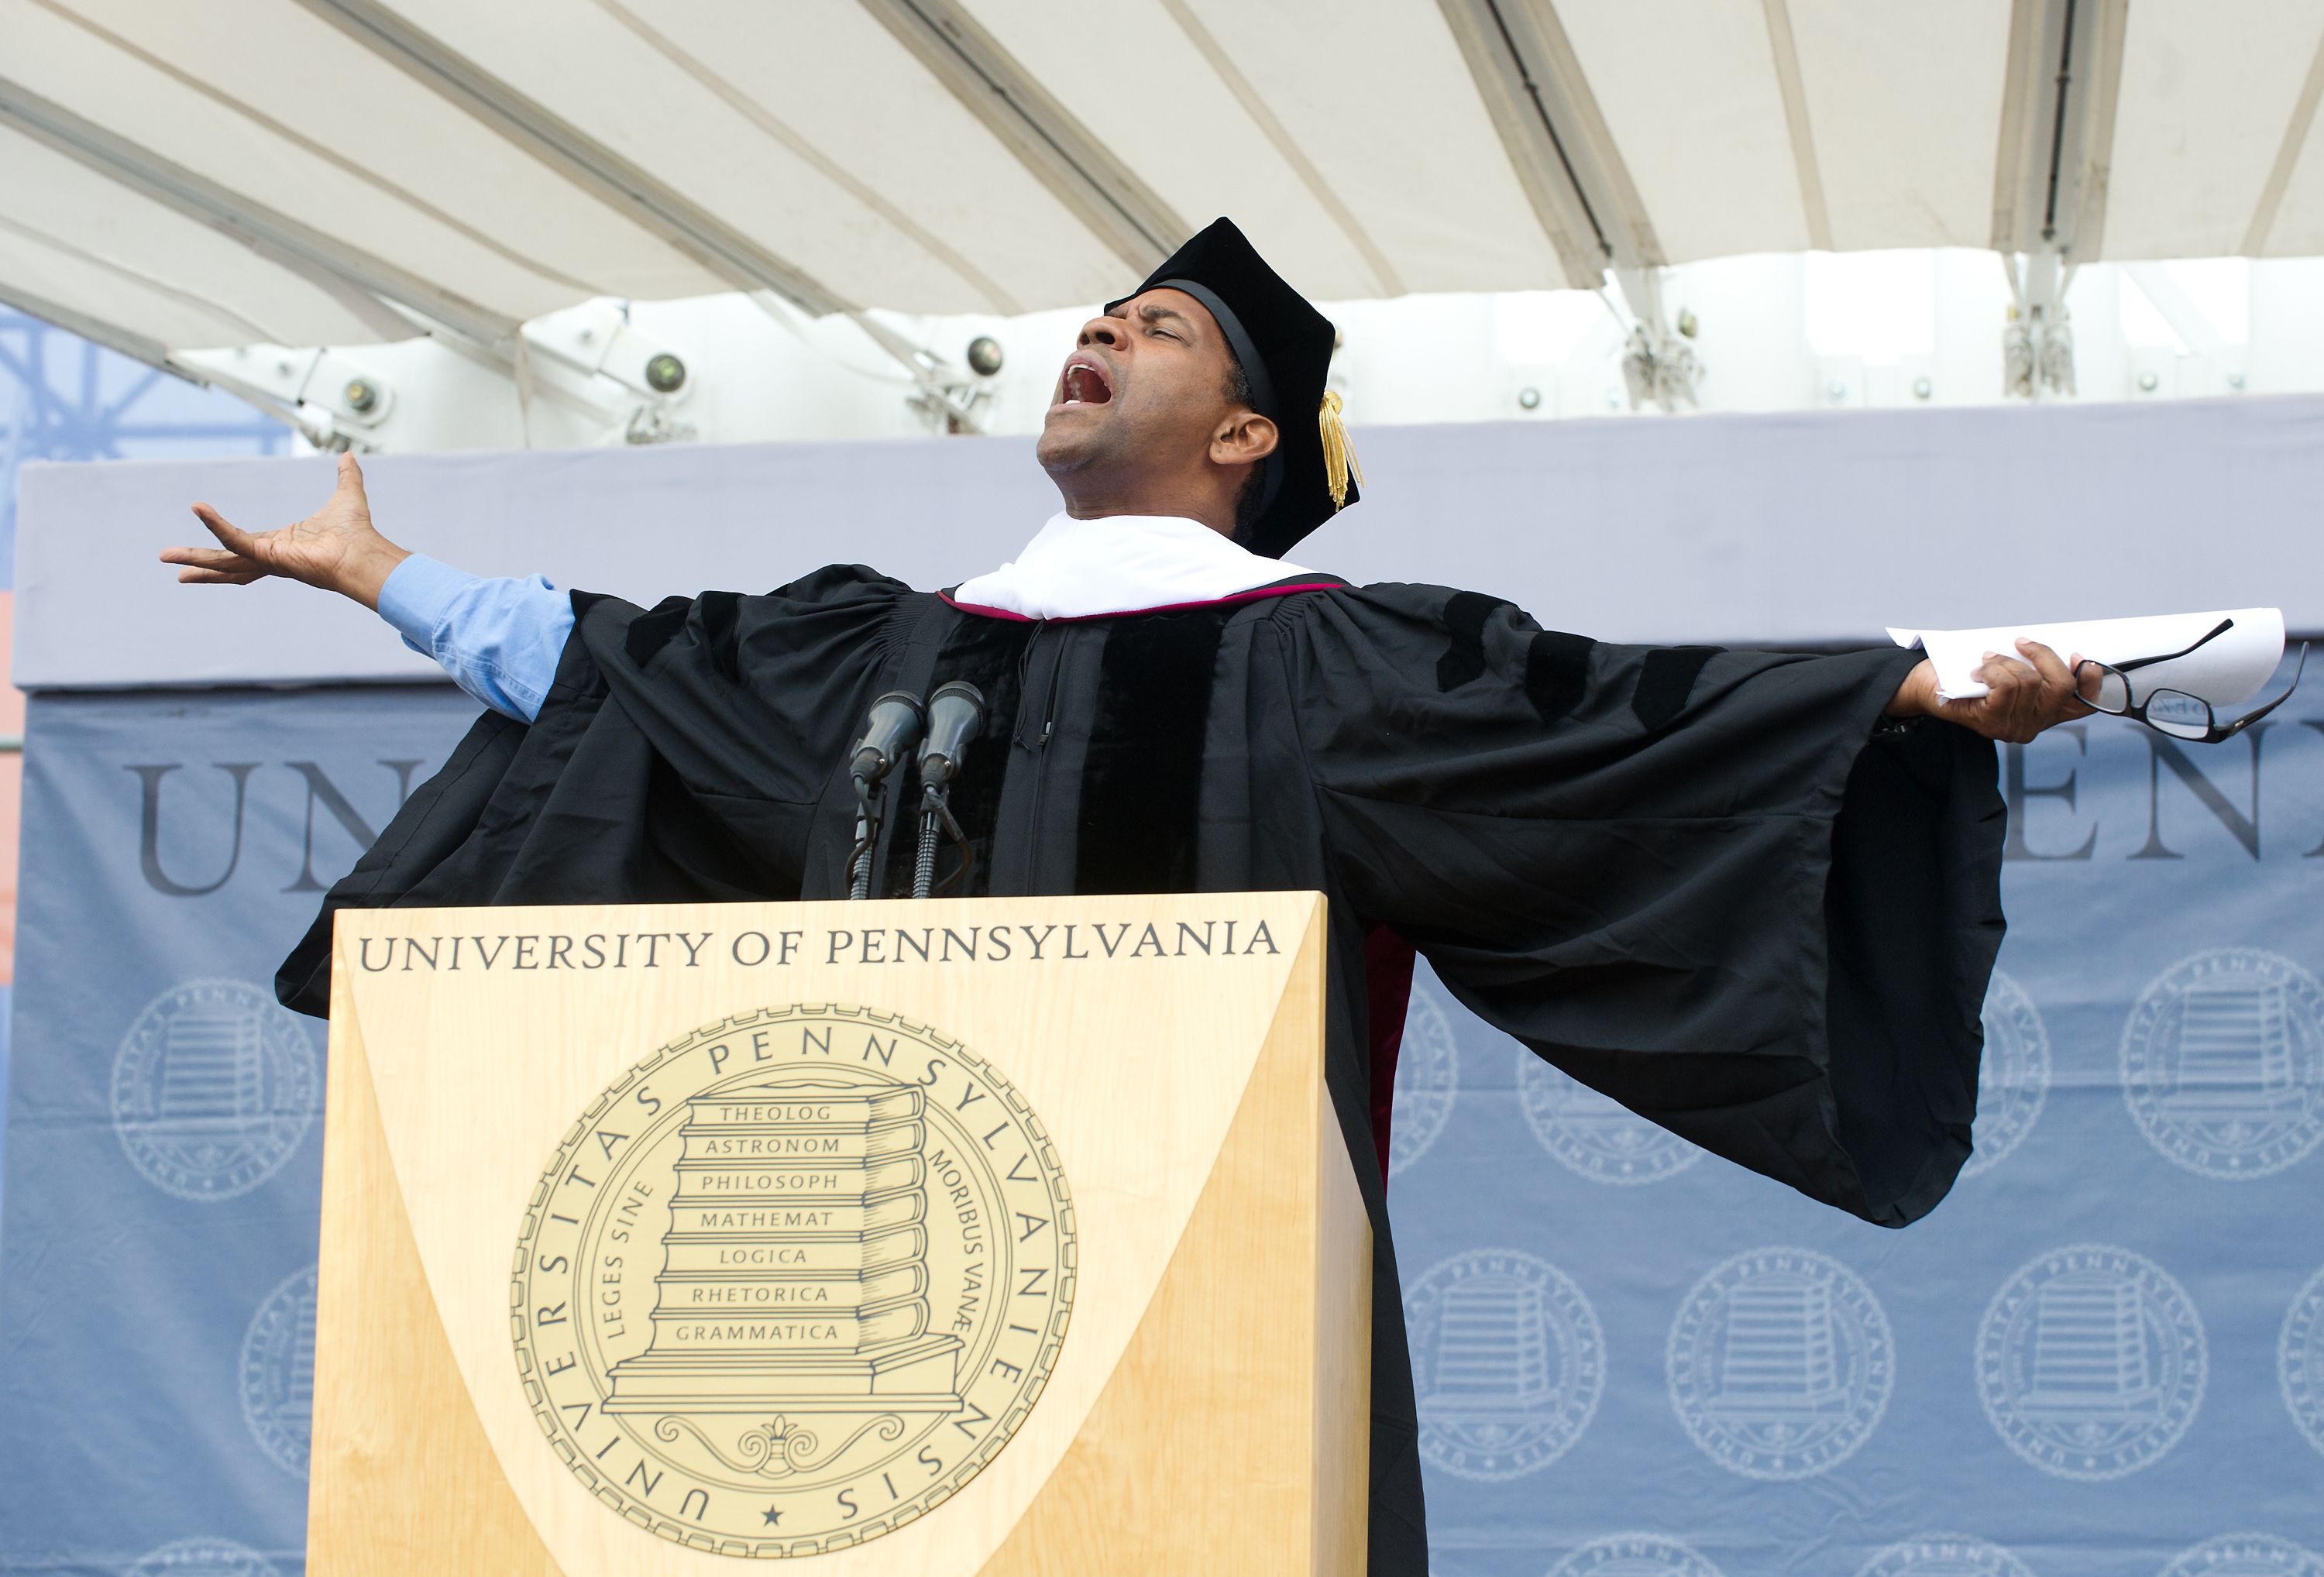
x=340, y=173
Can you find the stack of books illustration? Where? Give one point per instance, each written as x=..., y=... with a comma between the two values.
x=212, y=1075
x=2090, y=1354
x=295, y=1411
x=2234, y=1052
x=795, y=1271
x=1780, y=1357
x=1492, y=1348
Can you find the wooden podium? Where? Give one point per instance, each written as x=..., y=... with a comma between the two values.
x=991, y=1236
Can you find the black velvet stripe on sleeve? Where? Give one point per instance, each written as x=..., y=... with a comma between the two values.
x=1557, y=672
x=720, y=617
x=1141, y=786
x=649, y=633
x=1665, y=680
x=1465, y=614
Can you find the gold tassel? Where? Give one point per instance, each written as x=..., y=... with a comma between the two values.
x=1339, y=459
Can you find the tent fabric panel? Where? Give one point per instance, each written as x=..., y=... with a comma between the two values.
x=808, y=141
x=1689, y=91
x=1389, y=118
x=584, y=66
x=1128, y=71
x=293, y=67
x=134, y=100
x=34, y=269
x=973, y=209
x=1904, y=99
x=2297, y=227
x=2203, y=109
x=122, y=258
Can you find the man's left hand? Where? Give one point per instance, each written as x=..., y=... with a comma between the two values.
x=2023, y=695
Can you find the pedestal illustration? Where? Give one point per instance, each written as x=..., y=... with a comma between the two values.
x=795, y=1266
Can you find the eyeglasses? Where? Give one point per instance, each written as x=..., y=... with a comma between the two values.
x=2174, y=713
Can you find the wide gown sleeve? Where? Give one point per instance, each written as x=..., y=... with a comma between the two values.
x=681, y=753
x=1706, y=883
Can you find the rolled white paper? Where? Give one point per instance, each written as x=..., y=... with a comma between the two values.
x=2223, y=671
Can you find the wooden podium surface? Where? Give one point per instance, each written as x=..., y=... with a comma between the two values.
x=992, y=1236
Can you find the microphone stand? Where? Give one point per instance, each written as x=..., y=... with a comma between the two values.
x=896, y=720
x=936, y=813
x=955, y=713
x=867, y=832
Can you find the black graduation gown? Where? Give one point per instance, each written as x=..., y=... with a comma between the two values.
x=1707, y=883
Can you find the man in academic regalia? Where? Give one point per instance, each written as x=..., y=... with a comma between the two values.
x=1752, y=896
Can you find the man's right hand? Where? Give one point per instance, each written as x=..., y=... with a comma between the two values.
x=336, y=548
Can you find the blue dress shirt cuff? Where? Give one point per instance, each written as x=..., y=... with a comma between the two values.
x=500, y=640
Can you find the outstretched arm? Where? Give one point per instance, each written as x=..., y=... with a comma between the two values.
x=499, y=640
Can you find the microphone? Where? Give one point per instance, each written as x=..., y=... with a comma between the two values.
x=894, y=722
x=956, y=717
x=955, y=713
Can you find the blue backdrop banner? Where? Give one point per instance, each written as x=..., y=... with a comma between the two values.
x=2102, y=1357
x=158, y=1220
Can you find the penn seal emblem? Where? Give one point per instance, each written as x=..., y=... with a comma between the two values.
x=277, y=1373
x=213, y=1088
x=1780, y=1363
x=2300, y=1360
x=1634, y=1554
x=1427, y=1077
x=2092, y=1362
x=793, y=1281
x=2223, y=1062
x=1945, y=1554
x=2013, y=1078
x=1508, y=1364
x=1595, y=1136
x=203, y=1557
x=2246, y=1554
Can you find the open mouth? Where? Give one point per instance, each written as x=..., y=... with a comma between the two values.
x=1084, y=383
